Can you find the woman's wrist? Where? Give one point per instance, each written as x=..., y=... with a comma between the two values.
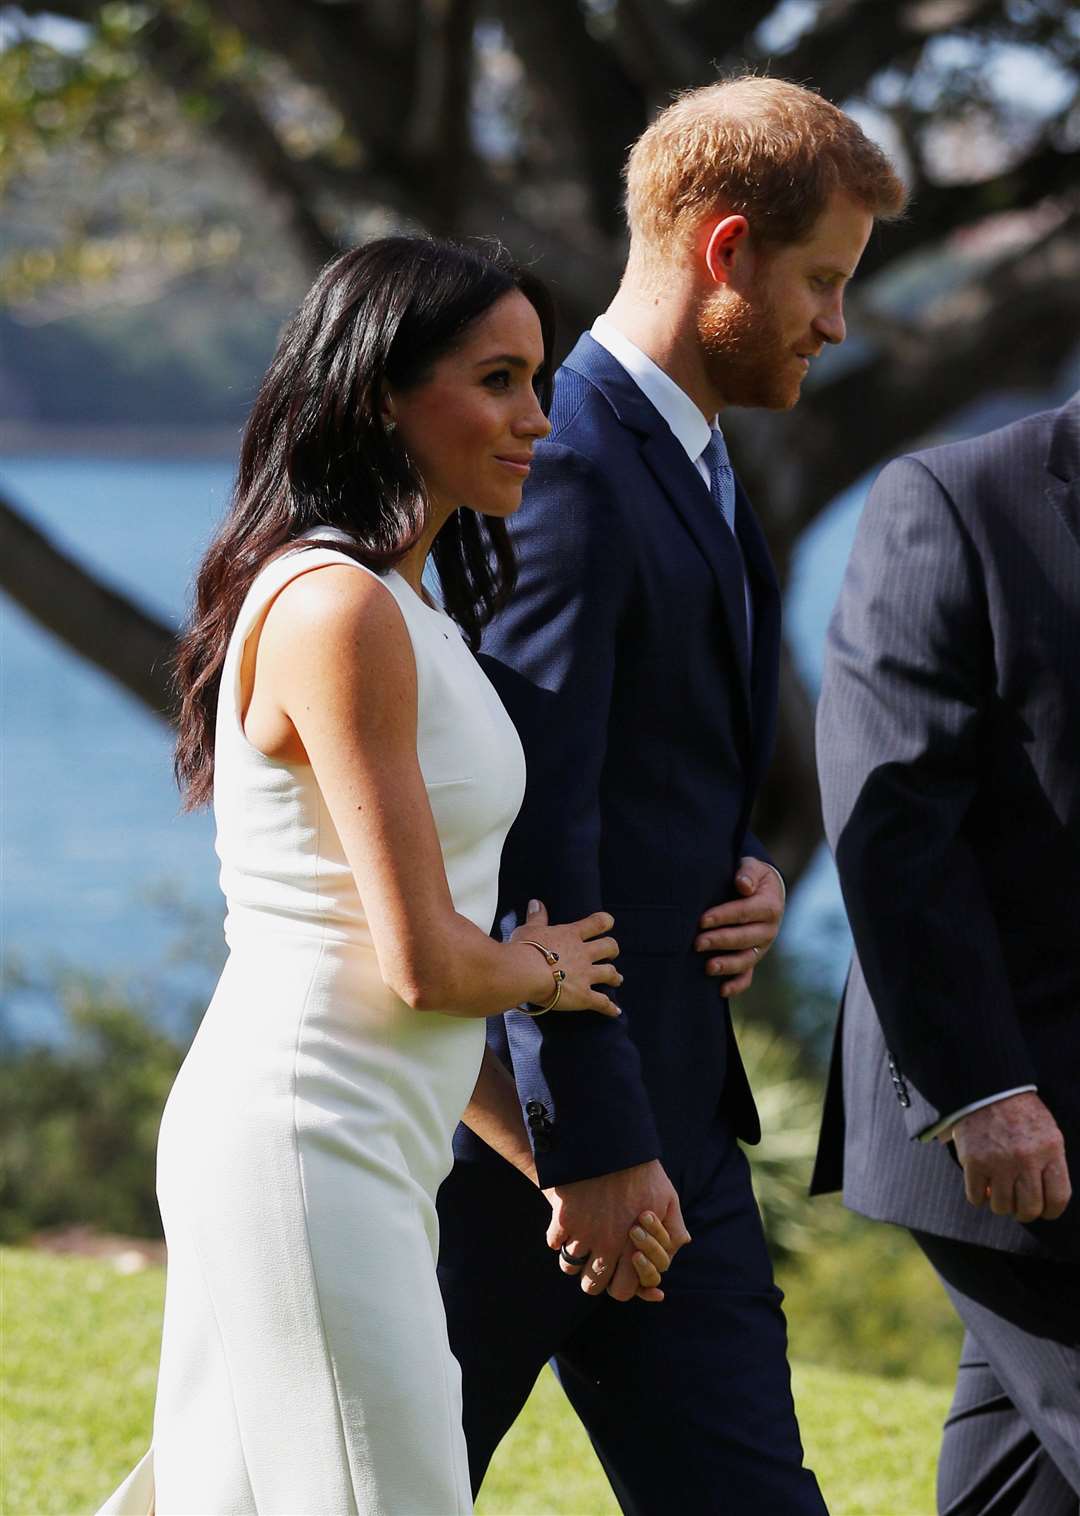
x=536, y=974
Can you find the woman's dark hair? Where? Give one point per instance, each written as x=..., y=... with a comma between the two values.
x=316, y=453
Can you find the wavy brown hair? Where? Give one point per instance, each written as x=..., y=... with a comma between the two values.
x=317, y=453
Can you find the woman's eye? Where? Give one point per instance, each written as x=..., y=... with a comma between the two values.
x=499, y=380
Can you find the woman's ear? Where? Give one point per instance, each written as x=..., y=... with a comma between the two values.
x=386, y=410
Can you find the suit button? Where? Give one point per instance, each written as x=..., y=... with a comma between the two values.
x=534, y=1108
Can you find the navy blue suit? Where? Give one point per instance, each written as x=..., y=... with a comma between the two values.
x=647, y=729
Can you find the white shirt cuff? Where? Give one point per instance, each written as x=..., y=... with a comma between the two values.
x=783, y=886
x=966, y=1110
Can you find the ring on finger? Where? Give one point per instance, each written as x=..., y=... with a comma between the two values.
x=756, y=952
x=579, y=1261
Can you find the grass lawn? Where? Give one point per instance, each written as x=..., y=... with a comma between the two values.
x=79, y=1355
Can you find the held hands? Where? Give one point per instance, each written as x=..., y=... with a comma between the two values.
x=602, y=1221
x=583, y=948
x=740, y=932
x=1013, y=1156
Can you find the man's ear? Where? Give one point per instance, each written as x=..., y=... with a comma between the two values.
x=727, y=244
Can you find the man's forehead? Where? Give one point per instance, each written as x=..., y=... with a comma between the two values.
x=839, y=234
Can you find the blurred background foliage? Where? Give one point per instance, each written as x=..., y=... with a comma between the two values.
x=173, y=172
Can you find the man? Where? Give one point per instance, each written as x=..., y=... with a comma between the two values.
x=638, y=658
x=949, y=750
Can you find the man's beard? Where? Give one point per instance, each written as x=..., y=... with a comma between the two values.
x=746, y=358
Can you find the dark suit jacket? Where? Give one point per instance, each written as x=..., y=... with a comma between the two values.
x=622, y=660
x=949, y=753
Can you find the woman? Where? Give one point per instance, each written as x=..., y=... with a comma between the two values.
x=364, y=776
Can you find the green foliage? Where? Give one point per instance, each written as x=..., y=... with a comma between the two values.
x=866, y=1298
x=79, y=1119
x=788, y=1098
x=80, y=1364
x=860, y=1294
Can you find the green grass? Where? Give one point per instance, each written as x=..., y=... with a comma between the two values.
x=79, y=1356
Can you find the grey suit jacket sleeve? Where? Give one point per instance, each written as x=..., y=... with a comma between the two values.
x=908, y=683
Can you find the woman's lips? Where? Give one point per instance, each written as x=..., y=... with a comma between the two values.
x=519, y=466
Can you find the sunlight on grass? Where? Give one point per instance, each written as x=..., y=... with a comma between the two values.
x=80, y=1345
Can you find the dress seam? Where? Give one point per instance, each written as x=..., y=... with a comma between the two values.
x=193, y=1239
x=303, y=1188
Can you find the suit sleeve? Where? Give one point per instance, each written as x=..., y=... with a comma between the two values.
x=551, y=654
x=902, y=718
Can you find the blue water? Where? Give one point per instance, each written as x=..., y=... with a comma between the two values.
x=92, y=834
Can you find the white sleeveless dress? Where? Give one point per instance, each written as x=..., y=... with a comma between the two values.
x=305, y=1368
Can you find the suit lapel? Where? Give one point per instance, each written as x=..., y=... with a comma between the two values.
x=666, y=459
x=1063, y=465
x=679, y=479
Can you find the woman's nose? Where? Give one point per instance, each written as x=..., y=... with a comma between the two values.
x=533, y=423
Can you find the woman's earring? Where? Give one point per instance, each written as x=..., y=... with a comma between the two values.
x=390, y=424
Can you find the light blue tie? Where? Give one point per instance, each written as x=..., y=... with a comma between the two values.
x=722, y=488
x=721, y=476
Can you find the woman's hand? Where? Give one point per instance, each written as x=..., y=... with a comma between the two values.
x=652, y=1257
x=584, y=949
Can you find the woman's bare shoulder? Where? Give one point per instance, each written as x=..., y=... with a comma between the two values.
x=324, y=616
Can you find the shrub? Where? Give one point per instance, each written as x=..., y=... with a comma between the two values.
x=79, y=1118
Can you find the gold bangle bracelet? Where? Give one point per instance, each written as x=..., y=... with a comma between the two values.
x=550, y=955
x=558, y=975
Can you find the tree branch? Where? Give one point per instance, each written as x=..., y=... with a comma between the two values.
x=603, y=110
x=1010, y=329
x=96, y=622
x=854, y=40
x=940, y=209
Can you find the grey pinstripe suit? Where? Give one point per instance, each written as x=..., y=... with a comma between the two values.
x=949, y=753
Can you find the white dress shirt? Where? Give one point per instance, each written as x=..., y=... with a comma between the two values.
x=691, y=429
x=965, y=1110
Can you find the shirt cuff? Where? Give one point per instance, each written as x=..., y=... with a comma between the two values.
x=783, y=885
x=965, y=1110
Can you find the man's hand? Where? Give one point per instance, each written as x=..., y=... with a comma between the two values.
x=740, y=932
x=594, y=1217
x=1013, y=1156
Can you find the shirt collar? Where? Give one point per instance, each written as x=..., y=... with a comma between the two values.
x=687, y=423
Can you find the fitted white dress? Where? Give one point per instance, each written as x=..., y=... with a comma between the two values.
x=305, y=1368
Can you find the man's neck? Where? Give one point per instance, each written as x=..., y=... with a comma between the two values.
x=665, y=329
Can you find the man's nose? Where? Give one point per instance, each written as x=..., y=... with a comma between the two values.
x=830, y=323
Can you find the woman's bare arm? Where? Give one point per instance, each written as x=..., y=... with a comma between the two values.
x=494, y=1114
x=335, y=660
